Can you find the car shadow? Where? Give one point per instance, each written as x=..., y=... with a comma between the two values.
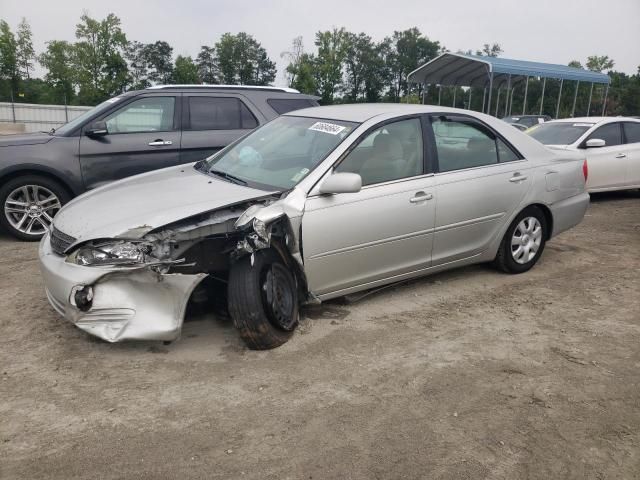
x=612, y=196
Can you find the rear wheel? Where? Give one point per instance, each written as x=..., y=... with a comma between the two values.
x=523, y=242
x=29, y=204
x=263, y=300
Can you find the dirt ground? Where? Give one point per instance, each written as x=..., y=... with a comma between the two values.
x=468, y=374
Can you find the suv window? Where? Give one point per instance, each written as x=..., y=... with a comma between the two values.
x=219, y=113
x=284, y=105
x=464, y=143
x=632, y=132
x=610, y=133
x=148, y=114
x=390, y=152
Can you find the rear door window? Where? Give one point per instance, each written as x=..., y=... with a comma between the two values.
x=219, y=113
x=631, y=132
x=610, y=133
x=463, y=142
x=284, y=105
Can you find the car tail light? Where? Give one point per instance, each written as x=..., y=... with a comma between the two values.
x=585, y=170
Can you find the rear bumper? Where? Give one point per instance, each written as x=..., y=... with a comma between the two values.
x=569, y=212
x=128, y=304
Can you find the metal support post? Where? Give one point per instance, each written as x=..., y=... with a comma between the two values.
x=559, y=97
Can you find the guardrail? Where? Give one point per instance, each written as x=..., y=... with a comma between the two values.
x=38, y=117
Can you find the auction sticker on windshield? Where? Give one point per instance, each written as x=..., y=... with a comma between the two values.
x=326, y=127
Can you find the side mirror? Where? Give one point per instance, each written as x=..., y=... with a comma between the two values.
x=595, y=143
x=97, y=129
x=342, y=182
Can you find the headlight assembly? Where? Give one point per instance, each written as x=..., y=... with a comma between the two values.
x=110, y=253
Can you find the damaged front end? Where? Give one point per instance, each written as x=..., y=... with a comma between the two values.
x=137, y=286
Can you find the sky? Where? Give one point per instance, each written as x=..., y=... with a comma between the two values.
x=553, y=31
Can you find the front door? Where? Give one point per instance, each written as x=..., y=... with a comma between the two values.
x=608, y=164
x=383, y=231
x=480, y=181
x=142, y=135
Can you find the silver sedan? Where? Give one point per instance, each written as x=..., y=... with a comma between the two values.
x=316, y=204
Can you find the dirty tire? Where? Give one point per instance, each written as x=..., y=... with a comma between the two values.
x=263, y=324
x=43, y=184
x=505, y=259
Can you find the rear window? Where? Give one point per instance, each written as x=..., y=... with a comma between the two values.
x=219, y=113
x=284, y=105
x=558, y=133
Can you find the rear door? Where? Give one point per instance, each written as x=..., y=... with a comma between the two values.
x=211, y=121
x=480, y=181
x=608, y=164
x=143, y=135
x=631, y=132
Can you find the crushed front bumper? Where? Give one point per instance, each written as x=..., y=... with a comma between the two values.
x=128, y=303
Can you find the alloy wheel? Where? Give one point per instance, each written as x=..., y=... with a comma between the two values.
x=30, y=209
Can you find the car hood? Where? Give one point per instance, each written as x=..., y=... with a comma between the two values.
x=133, y=207
x=24, y=139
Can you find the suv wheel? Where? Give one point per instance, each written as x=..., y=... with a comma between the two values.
x=29, y=204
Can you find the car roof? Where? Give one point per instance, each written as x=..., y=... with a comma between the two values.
x=361, y=112
x=224, y=87
x=594, y=120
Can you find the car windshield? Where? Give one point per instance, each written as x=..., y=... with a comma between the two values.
x=76, y=122
x=558, y=133
x=279, y=154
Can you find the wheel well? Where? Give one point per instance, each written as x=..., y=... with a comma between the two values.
x=21, y=173
x=548, y=216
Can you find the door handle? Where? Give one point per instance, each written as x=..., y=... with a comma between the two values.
x=159, y=143
x=421, y=197
x=518, y=177
x=621, y=155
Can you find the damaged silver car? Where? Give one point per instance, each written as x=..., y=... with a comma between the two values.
x=316, y=204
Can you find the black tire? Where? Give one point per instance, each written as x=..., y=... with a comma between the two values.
x=263, y=321
x=43, y=182
x=505, y=260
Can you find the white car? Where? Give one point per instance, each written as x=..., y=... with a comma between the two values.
x=611, y=146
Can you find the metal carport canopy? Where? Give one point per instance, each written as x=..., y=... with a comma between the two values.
x=475, y=70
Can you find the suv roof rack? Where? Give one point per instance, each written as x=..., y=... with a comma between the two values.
x=228, y=87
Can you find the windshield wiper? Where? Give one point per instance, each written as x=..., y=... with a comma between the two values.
x=228, y=176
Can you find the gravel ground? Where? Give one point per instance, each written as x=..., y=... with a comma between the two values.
x=468, y=374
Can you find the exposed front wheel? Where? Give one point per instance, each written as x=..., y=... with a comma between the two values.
x=523, y=242
x=263, y=300
x=29, y=204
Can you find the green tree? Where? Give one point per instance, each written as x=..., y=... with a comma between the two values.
x=305, y=79
x=138, y=68
x=98, y=58
x=409, y=49
x=359, y=53
x=332, y=47
x=490, y=50
x=185, y=71
x=9, y=75
x=207, y=64
x=58, y=60
x=159, y=59
x=575, y=64
x=242, y=60
x=25, y=54
x=597, y=63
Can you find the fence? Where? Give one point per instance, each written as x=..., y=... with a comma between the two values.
x=39, y=117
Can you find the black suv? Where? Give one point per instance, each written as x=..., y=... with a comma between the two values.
x=129, y=134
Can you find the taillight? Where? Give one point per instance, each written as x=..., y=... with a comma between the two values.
x=585, y=170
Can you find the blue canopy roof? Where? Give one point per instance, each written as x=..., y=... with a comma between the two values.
x=475, y=70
